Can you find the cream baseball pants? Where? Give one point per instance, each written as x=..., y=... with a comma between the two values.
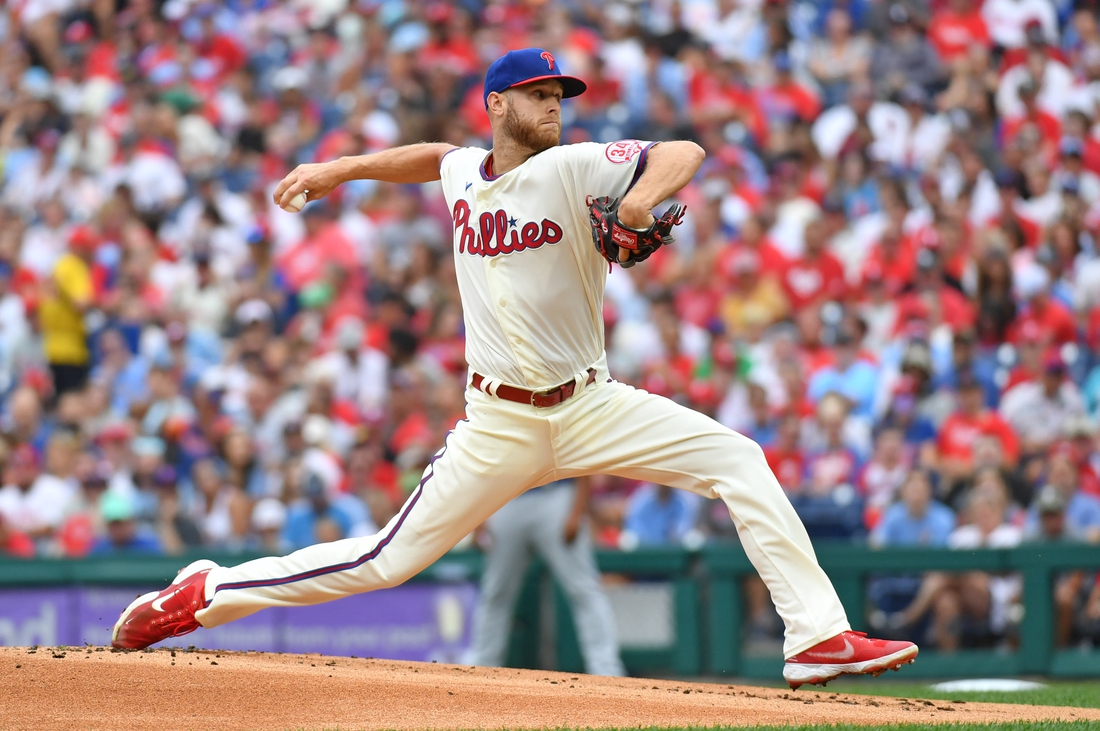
x=503, y=449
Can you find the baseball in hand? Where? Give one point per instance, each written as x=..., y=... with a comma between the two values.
x=296, y=203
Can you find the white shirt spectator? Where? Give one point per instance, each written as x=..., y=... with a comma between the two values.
x=1055, y=89
x=155, y=180
x=889, y=124
x=1003, y=590
x=1088, y=183
x=363, y=382
x=1034, y=416
x=728, y=36
x=969, y=536
x=42, y=247
x=791, y=217
x=1042, y=209
x=30, y=185
x=1007, y=20
x=91, y=151
x=45, y=505
x=984, y=200
x=362, y=232
x=927, y=141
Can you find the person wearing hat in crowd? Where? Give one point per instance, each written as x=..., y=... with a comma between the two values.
x=61, y=314
x=269, y=517
x=1010, y=20
x=175, y=529
x=1070, y=587
x=1071, y=170
x=1038, y=411
x=1027, y=113
x=1082, y=511
x=124, y=533
x=1042, y=59
x=313, y=513
x=1054, y=322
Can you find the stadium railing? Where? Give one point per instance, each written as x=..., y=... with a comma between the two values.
x=849, y=567
x=707, y=602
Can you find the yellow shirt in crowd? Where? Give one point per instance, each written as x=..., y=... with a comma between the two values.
x=61, y=320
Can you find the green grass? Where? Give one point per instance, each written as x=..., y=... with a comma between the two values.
x=1015, y=726
x=1079, y=695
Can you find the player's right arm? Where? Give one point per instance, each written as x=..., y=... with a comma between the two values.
x=417, y=163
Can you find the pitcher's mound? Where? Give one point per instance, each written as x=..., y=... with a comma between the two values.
x=92, y=687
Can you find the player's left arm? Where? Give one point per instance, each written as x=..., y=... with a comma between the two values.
x=669, y=166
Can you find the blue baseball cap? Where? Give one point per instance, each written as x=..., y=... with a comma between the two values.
x=526, y=66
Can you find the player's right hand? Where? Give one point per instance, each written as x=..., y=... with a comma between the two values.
x=319, y=178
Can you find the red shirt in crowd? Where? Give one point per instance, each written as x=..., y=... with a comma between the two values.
x=788, y=101
x=1050, y=317
x=1018, y=56
x=787, y=465
x=771, y=259
x=955, y=309
x=960, y=431
x=305, y=262
x=952, y=34
x=896, y=268
x=806, y=281
x=1050, y=129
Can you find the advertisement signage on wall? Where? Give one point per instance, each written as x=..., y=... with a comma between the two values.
x=414, y=622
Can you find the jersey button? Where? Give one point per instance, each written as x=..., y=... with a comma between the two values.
x=503, y=303
x=493, y=264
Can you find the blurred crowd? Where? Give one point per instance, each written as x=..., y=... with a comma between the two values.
x=888, y=275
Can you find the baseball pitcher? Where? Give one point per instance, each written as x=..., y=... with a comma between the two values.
x=536, y=227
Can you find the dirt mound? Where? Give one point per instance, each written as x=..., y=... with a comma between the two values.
x=94, y=688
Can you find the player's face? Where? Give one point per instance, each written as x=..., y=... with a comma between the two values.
x=532, y=115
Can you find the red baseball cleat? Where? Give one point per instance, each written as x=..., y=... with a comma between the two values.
x=158, y=615
x=849, y=653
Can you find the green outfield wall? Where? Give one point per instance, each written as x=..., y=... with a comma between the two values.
x=681, y=611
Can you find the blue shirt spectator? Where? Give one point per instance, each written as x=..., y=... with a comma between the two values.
x=917, y=519
x=657, y=514
x=856, y=380
x=304, y=515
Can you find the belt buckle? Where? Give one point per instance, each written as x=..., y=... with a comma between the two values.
x=536, y=394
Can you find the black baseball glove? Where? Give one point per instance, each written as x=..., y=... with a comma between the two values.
x=610, y=236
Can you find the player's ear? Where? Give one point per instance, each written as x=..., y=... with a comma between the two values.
x=497, y=102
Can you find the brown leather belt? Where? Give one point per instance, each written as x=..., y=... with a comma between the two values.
x=539, y=399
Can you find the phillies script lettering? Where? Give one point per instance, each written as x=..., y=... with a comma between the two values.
x=497, y=233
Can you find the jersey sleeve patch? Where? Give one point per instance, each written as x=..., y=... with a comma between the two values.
x=623, y=151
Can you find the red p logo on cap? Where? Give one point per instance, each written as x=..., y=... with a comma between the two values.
x=549, y=59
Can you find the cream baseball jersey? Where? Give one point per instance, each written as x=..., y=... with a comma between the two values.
x=530, y=279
